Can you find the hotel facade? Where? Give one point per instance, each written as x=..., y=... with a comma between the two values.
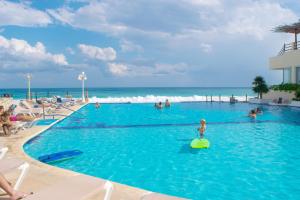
x=288, y=59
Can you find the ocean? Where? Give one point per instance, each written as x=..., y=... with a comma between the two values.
x=130, y=92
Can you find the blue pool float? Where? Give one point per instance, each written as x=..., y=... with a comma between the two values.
x=199, y=143
x=60, y=156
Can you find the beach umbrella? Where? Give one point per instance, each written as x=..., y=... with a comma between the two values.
x=82, y=77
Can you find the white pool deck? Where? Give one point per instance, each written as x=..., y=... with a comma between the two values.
x=41, y=176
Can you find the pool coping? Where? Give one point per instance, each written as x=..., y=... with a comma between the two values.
x=16, y=149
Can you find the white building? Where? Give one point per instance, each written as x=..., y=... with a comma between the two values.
x=288, y=59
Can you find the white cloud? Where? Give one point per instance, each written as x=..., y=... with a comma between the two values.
x=158, y=69
x=118, y=69
x=141, y=26
x=70, y=50
x=21, y=15
x=206, y=47
x=203, y=2
x=128, y=46
x=19, y=54
x=104, y=54
x=258, y=18
x=163, y=68
x=91, y=17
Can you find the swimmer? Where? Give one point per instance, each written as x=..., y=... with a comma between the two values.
x=258, y=111
x=252, y=114
x=97, y=105
x=167, y=103
x=159, y=105
x=202, y=128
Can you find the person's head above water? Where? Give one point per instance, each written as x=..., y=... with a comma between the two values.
x=202, y=122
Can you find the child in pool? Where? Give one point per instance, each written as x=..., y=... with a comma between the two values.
x=158, y=105
x=258, y=111
x=252, y=114
x=202, y=128
x=167, y=103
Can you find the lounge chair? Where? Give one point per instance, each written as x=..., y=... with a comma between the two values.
x=27, y=108
x=286, y=101
x=8, y=165
x=18, y=125
x=3, y=151
x=78, y=187
x=156, y=196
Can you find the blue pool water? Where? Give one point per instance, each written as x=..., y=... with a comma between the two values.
x=138, y=145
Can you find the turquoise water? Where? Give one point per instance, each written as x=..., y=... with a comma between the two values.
x=129, y=92
x=138, y=145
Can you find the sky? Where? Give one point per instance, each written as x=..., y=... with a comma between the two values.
x=142, y=43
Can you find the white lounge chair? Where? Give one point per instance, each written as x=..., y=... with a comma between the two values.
x=3, y=151
x=78, y=187
x=28, y=108
x=8, y=165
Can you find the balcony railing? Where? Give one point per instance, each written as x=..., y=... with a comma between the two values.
x=289, y=47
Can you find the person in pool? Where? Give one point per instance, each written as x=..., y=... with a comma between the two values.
x=158, y=105
x=252, y=114
x=97, y=105
x=202, y=128
x=258, y=111
x=167, y=103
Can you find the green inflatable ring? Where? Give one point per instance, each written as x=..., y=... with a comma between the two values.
x=199, y=143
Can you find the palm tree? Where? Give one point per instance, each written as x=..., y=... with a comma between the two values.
x=260, y=86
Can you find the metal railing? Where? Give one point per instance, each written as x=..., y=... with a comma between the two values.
x=289, y=47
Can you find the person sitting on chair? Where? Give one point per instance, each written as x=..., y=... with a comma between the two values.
x=6, y=186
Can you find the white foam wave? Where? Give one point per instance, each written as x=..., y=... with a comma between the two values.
x=153, y=99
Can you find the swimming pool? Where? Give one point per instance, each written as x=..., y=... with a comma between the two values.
x=137, y=145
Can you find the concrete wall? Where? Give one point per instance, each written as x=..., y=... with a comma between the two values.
x=290, y=59
x=271, y=95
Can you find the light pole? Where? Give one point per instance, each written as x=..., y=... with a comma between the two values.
x=29, y=77
x=82, y=77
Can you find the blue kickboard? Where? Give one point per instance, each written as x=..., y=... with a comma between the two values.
x=60, y=156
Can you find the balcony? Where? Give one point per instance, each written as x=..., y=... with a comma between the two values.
x=289, y=47
x=289, y=56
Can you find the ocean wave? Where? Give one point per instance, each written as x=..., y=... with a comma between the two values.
x=153, y=99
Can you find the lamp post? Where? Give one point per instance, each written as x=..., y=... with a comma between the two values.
x=29, y=77
x=82, y=77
